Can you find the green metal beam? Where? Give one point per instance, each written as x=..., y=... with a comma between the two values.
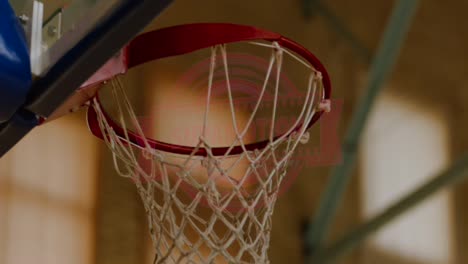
x=381, y=67
x=451, y=176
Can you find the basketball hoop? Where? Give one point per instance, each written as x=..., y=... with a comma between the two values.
x=220, y=217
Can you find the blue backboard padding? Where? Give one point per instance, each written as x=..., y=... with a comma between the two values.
x=15, y=69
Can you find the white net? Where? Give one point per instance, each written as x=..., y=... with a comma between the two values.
x=207, y=208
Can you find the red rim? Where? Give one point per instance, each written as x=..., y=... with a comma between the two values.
x=179, y=40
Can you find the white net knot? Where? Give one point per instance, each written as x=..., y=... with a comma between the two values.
x=325, y=105
x=209, y=164
x=305, y=138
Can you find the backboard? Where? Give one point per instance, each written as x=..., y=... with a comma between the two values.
x=69, y=40
x=55, y=27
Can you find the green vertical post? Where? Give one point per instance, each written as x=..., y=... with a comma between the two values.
x=381, y=67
